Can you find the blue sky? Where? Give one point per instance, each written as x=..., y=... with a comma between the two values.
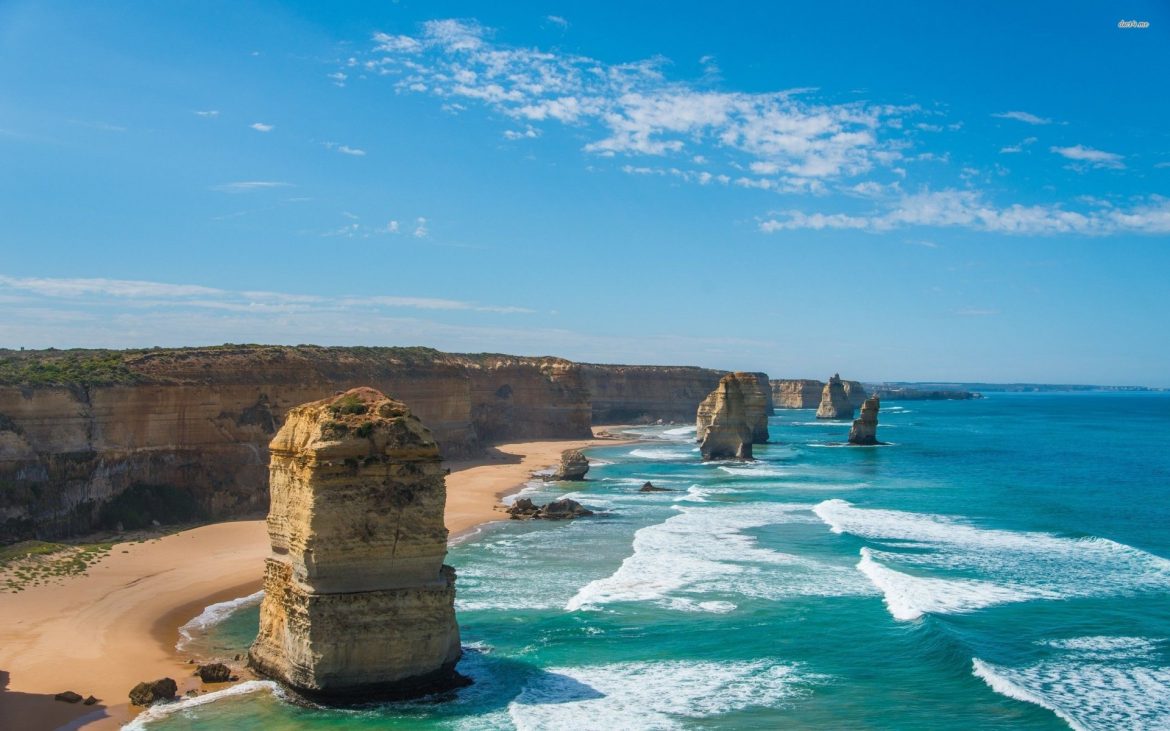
x=976, y=192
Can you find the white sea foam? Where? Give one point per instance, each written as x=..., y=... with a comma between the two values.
x=661, y=454
x=1088, y=695
x=634, y=696
x=1108, y=647
x=162, y=710
x=704, y=550
x=212, y=615
x=1006, y=566
x=762, y=470
x=682, y=431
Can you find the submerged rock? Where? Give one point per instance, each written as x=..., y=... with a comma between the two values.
x=649, y=487
x=148, y=692
x=864, y=430
x=834, y=401
x=563, y=509
x=723, y=423
x=358, y=603
x=573, y=466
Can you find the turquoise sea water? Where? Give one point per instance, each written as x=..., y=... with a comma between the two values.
x=1003, y=564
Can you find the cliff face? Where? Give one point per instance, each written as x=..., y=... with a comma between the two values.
x=800, y=393
x=357, y=599
x=855, y=392
x=623, y=394
x=864, y=429
x=724, y=421
x=834, y=401
x=199, y=420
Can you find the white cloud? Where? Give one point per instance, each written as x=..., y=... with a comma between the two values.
x=160, y=294
x=390, y=228
x=1012, y=149
x=261, y=127
x=967, y=209
x=1024, y=117
x=1080, y=154
x=345, y=149
x=245, y=186
x=207, y=113
x=557, y=20
x=338, y=78
x=420, y=228
x=528, y=133
x=633, y=109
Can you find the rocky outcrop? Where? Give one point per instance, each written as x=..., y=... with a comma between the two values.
x=650, y=487
x=723, y=420
x=864, y=429
x=148, y=692
x=563, y=509
x=855, y=392
x=834, y=401
x=629, y=394
x=756, y=407
x=215, y=672
x=68, y=696
x=573, y=467
x=80, y=428
x=799, y=393
x=357, y=599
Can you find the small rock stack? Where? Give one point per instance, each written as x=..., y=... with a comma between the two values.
x=834, y=401
x=723, y=423
x=864, y=430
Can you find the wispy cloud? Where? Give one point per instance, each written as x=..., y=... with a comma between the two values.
x=968, y=209
x=420, y=228
x=161, y=294
x=246, y=186
x=1025, y=117
x=261, y=127
x=345, y=149
x=207, y=113
x=557, y=20
x=1088, y=156
x=102, y=126
x=1017, y=148
x=976, y=312
x=632, y=109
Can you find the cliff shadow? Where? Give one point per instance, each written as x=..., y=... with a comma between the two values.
x=37, y=711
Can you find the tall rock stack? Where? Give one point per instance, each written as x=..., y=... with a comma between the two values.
x=723, y=421
x=756, y=407
x=864, y=430
x=834, y=401
x=357, y=603
x=856, y=393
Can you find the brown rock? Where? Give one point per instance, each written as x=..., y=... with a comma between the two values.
x=834, y=401
x=68, y=697
x=563, y=509
x=216, y=672
x=357, y=599
x=864, y=430
x=756, y=407
x=723, y=421
x=649, y=487
x=89, y=701
x=148, y=692
x=855, y=392
x=573, y=466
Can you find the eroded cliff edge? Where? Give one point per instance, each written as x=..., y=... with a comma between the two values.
x=85, y=436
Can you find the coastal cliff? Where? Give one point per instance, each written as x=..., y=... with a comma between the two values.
x=855, y=392
x=631, y=394
x=801, y=393
x=357, y=600
x=84, y=434
x=723, y=420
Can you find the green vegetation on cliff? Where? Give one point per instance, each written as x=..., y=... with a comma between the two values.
x=65, y=367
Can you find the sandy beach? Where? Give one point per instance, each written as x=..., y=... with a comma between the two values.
x=101, y=632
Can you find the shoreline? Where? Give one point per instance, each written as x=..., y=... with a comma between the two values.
x=103, y=631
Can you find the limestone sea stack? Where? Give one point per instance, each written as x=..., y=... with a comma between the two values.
x=723, y=421
x=864, y=430
x=358, y=603
x=573, y=466
x=756, y=407
x=834, y=401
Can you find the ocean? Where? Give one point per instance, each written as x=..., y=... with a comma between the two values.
x=1001, y=564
